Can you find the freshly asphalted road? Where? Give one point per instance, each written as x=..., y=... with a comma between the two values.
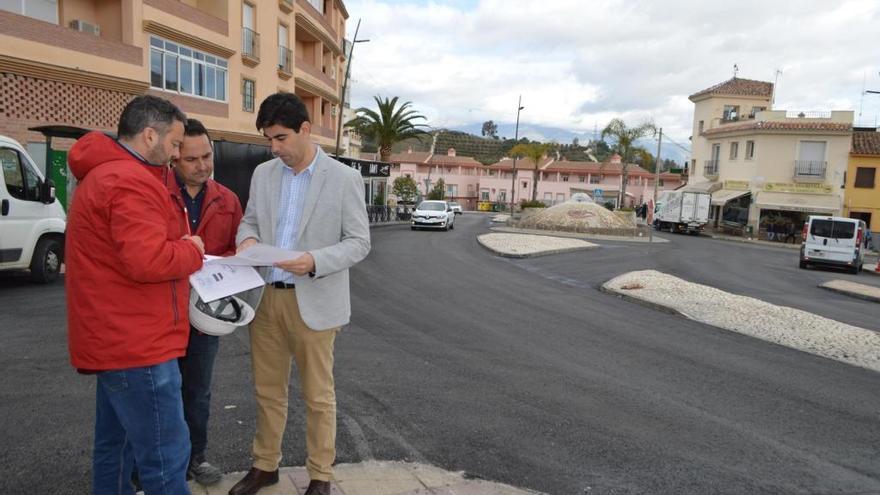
x=519, y=371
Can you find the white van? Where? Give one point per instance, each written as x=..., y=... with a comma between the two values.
x=32, y=222
x=834, y=241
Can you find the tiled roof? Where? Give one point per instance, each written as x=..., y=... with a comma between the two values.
x=738, y=87
x=410, y=157
x=781, y=125
x=866, y=143
x=453, y=160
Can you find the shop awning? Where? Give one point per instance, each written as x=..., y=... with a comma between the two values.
x=810, y=203
x=722, y=196
x=702, y=187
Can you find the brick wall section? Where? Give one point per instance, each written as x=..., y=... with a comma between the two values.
x=31, y=29
x=28, y=102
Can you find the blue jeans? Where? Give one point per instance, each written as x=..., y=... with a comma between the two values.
x=139, y=419
x=196, y=369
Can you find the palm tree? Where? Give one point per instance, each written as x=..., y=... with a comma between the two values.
x=391, y=124
x=625, y=139
x=536, y=152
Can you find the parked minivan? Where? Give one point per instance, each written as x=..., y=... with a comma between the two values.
x=32, y=222
x=834, y=241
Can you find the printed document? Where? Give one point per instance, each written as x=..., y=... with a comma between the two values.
x=256, y=255
x=214, y=280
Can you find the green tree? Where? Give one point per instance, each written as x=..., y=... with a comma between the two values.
x=438, y=191
x=535, y=152
x=405, y=188
x=624, y=143
x=389, y=125
x=490, y=129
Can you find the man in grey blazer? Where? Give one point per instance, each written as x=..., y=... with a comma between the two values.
x=305, y=201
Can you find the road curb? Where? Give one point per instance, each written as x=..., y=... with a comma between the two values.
x=648, y=304
x=850, y=293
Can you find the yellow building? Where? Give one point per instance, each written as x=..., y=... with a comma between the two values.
x=78, y=62
x=862, y=197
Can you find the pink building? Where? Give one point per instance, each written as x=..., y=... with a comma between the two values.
x=469, y=182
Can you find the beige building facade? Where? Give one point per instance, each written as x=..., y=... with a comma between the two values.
x=766, y=169
x=78, y=62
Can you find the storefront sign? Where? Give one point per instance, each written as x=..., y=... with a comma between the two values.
x=798, y=188
x=736, y=185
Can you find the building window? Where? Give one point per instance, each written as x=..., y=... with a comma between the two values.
x=560, y=197
x=755, y=111
x=452, y=190
x=701, y=128
x=661, y=182
x=565, y=178
x=595, y=179
x=731, y=113
x=180, y=69
x=44, y=10
x=502, y=195
x=865, y=177
x=248, y=93
x=734, y=150
x=582, y=178
x=484, y=195
x=750, y=150
x=525, y=185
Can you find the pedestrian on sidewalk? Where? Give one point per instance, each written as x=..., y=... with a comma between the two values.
x=213, y=213
x=790, y=232
x=305, y=201
x=128, y=257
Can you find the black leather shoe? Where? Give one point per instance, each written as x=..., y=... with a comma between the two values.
x=318, y=488
x=253, y=481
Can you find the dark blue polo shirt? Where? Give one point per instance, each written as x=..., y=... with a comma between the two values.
x=193, y=205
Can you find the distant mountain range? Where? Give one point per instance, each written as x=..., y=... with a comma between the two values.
x=564, y=136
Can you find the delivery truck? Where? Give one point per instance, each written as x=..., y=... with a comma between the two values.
x=682, y=211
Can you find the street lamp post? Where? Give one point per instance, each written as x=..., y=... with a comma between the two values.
x=345, y=84
x=519, y=107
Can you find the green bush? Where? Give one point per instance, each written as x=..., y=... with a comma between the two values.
x=525, y=203
x=609, y=205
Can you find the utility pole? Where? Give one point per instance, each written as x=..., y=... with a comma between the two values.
x=656, y=187
x=519, y=107
x=345, y=84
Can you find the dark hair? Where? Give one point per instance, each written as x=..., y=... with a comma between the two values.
x=284, y=109
x=148, y=111
x=194, y=127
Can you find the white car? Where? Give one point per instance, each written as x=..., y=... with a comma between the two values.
x=456, y=208
x=433, y=215
x=834, y=241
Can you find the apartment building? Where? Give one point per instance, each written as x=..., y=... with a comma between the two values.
x=766, y=167
x=862, y=198
x=469, y=182
x=76, y=63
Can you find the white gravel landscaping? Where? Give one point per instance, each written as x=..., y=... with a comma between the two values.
x=525, y=245
x=779, y=324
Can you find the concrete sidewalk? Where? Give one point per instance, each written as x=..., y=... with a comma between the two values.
x=374, y=478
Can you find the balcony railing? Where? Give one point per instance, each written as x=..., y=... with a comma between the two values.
x=810, y=169
x=250, y=44
x=710, y=169
x=285, y=60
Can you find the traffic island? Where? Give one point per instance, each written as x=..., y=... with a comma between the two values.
x=781, y=325
x=374, y=478
x=528, y=246
x=852, y=289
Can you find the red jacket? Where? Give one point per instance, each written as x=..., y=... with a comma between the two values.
x=127, y=266
x=220, y=216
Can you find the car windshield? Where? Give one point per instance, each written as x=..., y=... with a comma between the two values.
x=832, y=229
x=432, y=206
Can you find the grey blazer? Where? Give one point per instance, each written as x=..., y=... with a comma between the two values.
x=333, y=228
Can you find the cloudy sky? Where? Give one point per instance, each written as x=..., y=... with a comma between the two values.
x=579, y=63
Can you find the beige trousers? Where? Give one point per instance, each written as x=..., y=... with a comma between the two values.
x=278, y=334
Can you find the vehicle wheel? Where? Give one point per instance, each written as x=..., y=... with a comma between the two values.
x=46, y=263
x=802, y=264
x=412, y=227
x=854, y=270
x=452, y=226
x=446, y=228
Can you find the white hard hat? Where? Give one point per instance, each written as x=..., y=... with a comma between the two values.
x=220, y=317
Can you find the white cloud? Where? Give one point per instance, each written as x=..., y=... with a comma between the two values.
x=578, y=64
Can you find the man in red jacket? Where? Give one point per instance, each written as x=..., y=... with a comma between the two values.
x=213, y=213
x=128, y=257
